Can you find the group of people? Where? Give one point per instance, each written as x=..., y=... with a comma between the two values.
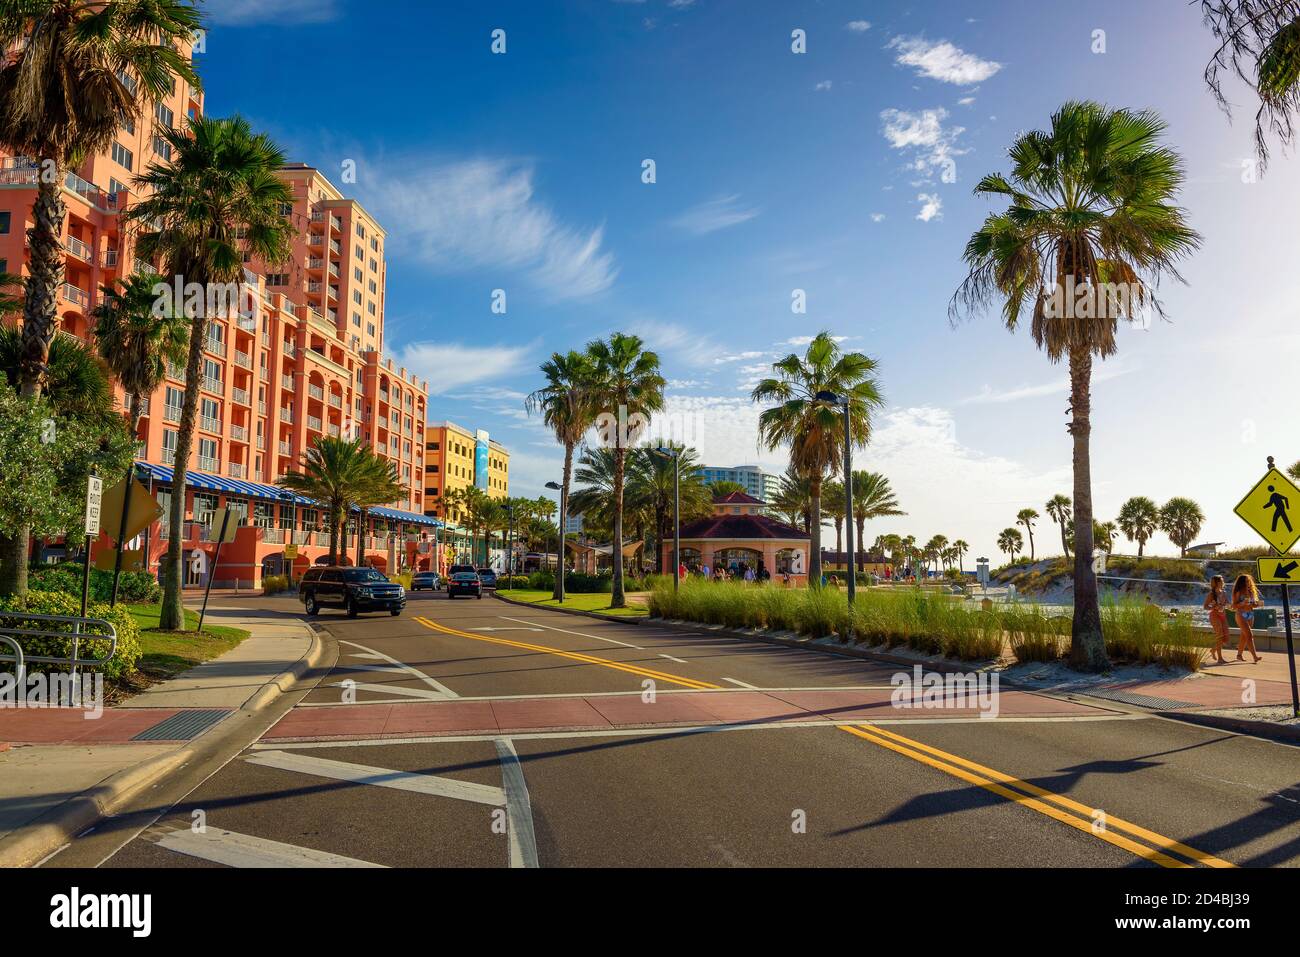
x=721, y=573
x=1243, y=601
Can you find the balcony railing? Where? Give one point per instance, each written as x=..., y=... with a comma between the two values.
x=314, y=422
x=315, y=262
x=145, y=268
x=236, y=470
x=286, y=415
x=316, y=239
x=110, y=258
x=285, y=449
x=216, y=346
x=243, y=359
x=73, y=294
x=334, y=430
x=336, y=400
x=213, y=385
x=208, y=464
x=209, y=424
x=241, y=396
x=79, y=249
x=172, y=413
x=286, y=382
x=239, y=433
x=169, y=456
x=316, y=392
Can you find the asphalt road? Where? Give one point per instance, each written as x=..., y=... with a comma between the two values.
x=482, y=734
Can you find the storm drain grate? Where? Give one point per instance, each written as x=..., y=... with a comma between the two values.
x=183, y=726
x=1141, y=700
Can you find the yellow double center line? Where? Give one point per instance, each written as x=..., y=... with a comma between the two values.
x=576, y=656
x=1083, y=818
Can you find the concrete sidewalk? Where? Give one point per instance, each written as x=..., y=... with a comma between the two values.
x=62, y=771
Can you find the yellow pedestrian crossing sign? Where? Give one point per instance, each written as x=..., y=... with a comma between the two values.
x=1278, y=569
x=1272, y=508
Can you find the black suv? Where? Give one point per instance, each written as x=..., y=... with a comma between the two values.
x=352, y=589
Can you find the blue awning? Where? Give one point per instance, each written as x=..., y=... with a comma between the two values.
x=273, y=493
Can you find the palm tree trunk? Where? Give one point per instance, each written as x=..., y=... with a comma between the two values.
x=1065, y=542
x=13, y=564
x=617, y=599
x=334, y=537
x=862, y=548
x=1087, y=645
x=361, y=539
x=1031, y=543
x=172, y=614
x=564, y=517
x=48, y=269
x=815, y=532
x=839, y=539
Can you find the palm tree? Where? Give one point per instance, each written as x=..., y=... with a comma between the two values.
x=1061, y=511
x=1294, y=471
x=872, y=498
x=1011, y=542
x=1139, y=518
x=723, y=487
x=1259, y=42
x=793, y=500
x=568, y=411
x=136, y=344
x=219, y=199
x=909, y=549
x=1181, y=519
x=1105, y=533
x=342, y=475
x=651, y=480
x=934, y=549
x=73, y=73
x=960, y=548
x=812, y=427
x=1027, y=517
x=1090, y=230
x=627, y=383
x=836, y=512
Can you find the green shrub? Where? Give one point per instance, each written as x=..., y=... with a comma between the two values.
x=402, y=578
x=514, y=581
x=123, y=661
x=274, y=584
x=133, y=587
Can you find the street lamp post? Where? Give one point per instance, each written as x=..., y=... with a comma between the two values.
x=843, y=403
x=510, y=547
x=676, y=455
x=559, y=549
x=288, y=498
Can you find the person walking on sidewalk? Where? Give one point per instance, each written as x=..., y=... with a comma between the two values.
x=1216, y=603
x=1245, y=599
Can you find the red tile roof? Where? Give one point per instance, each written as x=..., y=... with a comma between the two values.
x=743, y=526
x=738, y=498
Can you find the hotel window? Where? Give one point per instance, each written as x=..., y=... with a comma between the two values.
x=169, y=446
x=370, y=328
x=356, y=296
x=358, y=274
x=114, y=187
x=129, y=126
x=371, y=308
x=374, y=244
x=286, y=209
x=162, y=147
x=356, y=321
x=123, y=156
x=361, y=230
x=278, y=279
x=6, y=221
x=374, y=265
x=165, y=116
x=374, y=287
x=361, y=254
x=204, y=506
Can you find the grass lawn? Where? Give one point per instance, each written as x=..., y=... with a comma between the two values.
x=168, y=653
x=597, y=603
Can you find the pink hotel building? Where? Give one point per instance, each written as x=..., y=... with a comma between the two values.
x=302, y=359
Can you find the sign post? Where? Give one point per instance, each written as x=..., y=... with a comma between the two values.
x=1267, y=508
x=220, y=520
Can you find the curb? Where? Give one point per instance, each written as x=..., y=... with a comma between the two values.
x=788, y=640
x=1281, y=733
x=33, y=842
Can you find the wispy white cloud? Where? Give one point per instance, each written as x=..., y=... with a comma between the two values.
x=942, y=61
x=1061, y=386
x=451, y=366
x=931, y=207
x=681, y=4
x=822, y=86
x=923, y=136
x=858, y=26
x=714, y=214
x=877, y=217
x=484, y=214
x=242, y=13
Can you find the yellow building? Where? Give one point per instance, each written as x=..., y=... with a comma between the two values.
x=456, y=457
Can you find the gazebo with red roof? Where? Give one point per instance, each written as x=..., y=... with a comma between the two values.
x=739, y=534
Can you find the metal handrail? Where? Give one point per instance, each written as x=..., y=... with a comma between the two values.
x=8, y=635
x=17, y=656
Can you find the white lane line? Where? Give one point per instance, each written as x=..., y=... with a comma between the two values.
x=671, y=658
x=742, y=684
x=387, y=669
x=510, y=628
x=414, y=672
x=519, y=810
x=612, y=641
x=365, y=654
x=597, y=694
x=424, y=694
x=662, y=731
x=382, y=777
x=243, y=850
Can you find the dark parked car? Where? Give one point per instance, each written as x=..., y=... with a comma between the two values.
x=422, y=580
x=488, y=577
x=353, y=589
x=456, y=570
x=464, y=583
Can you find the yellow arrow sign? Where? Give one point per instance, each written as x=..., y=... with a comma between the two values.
x=1278, y=569
x=145, y=510
x=1272, y=508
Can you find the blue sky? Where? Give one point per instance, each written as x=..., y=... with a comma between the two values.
x=844, y=171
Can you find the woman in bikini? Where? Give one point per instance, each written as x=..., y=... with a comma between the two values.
x=1216, y=603
x=1245, y=599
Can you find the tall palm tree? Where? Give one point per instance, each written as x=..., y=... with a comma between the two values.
x=72, y=74
x=1259, y=42
x=1139, y=518
x=136, y=344
x=567, y=407
x=1090, y=229
x=793, y=500
x=872, y=498
x=1061, y=510
x=813, y=428
x=651, y=480
x=1027, y=517
x=218, y=200
x=627, y=383
x=959, y=549
x=1181, y=519
x=1105, y=533
x=340, y=475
